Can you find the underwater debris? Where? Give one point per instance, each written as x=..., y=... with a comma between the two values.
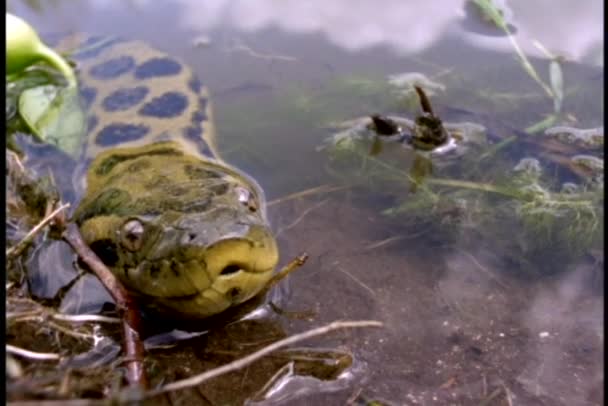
x=404, y=83
x=589, y=163
x=590, y=138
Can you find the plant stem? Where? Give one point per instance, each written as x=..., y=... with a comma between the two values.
x=55, y=60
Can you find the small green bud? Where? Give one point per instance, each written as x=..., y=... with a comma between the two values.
x=24, y=48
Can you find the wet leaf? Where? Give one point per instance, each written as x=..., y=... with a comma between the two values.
x=54, y=115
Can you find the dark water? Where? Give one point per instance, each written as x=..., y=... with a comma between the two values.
x=467, y=318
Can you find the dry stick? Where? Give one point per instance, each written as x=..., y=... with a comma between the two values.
x=295, y=263
x=312, y=191
x=300, y=217
x=16, y=250
x=245, y=361
x=128, y=309
x=63, y=402
x=39, y=356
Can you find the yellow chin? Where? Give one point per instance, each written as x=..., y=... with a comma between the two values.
x=226, y=291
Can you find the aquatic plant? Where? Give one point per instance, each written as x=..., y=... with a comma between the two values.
x=542, y=220
x=25, y=48
x=48, y=110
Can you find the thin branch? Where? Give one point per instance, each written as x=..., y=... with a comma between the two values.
x=39, y=356
x=294, y=264
x=128, y=309
x=64, y=402
x=84, y=318
x=357, y=281
x=312, y=191
x=17, y=249
x=301, y=217
x=245, y=361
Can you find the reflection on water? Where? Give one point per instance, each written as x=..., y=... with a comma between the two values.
x=575, y=29
x=461, y=326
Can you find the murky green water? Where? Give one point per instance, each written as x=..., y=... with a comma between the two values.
x=477, y=306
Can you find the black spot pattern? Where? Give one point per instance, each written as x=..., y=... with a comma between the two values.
x=154, y=270
x=175, y=268
x=88, y=94
x=202, y=103
x=123, y=99
x=195, y=84
x=158, y=67
x=110, y=162
x=92, y=122
x=106, y=251
x=219, y=189
x=139, y=165
x=198, y=116
x=199, y=173
x=110, y=201
x=195, y=134
x=170, y=104
x=116, y=133
x=113, y=68
x=97, y=46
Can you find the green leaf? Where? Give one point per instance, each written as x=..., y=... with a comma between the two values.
x=55, y=116
x=542, y=125
x=491, y=13
x=557, y=84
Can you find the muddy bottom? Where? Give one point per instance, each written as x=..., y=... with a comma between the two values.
x=459, y=328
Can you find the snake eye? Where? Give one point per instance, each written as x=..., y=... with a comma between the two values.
x=246, y=198
x=132, y=235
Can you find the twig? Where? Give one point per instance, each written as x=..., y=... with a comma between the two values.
x=300, y=217
x=312, y=191
x=69, y=332
x=131, y=319
x=120, y=295
x=287, y=269
x=83, y=318
x=357, y=281
x=245, y=361
x=41, y=311
x=64, y=402
x=491, y=274
x=508, y=395
x=488, y=401
x=382, y=243
x=247, y=50
x=39, y=356
x=17, y=249
x=395, y=238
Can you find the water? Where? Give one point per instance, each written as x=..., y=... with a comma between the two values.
x=466, y=319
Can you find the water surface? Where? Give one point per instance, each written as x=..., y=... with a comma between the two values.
x=466, y=320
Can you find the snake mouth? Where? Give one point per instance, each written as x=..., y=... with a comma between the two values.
x=230, y=269
x=232, y=288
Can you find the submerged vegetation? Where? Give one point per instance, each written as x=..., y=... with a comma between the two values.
x=542, y=211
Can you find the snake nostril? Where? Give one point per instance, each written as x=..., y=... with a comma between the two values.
x=234, y=293
x=230, y=269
